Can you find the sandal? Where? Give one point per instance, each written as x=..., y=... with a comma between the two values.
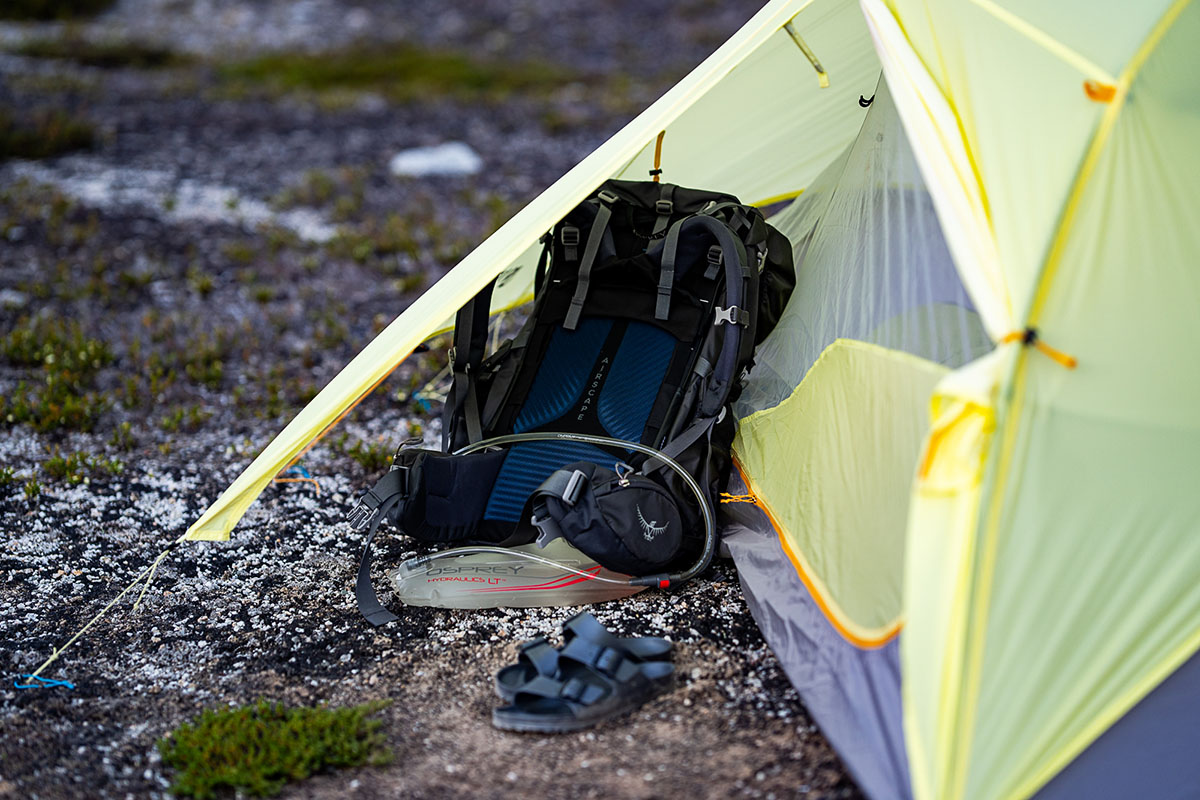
x=537, y=658
x=587, y=690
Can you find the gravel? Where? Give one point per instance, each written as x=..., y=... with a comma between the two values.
x=181, y=182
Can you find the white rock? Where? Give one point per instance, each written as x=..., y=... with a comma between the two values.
x=451, y=158
x=11, y=298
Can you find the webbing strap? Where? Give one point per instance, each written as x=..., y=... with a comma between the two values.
x=368, y=602
x=599, y=226
x=565, y=484
x=666, y=273
x=665, y=207
x=470, y=341
x=683, y=441
x=471, y=412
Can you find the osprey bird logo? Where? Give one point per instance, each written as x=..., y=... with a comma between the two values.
x=650, y=529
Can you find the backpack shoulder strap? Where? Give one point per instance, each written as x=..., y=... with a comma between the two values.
x=599, y=226
x=470, y=343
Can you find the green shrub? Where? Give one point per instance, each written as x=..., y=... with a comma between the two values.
x=42, y=134
x=76, y=467
x=68, y=362
x=105, y=55
x=257, y=749
x=403, y=72
x=70, y=468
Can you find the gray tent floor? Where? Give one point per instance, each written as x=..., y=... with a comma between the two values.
x=191, y=241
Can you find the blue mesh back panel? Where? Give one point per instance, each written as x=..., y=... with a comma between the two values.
x=562, y=374
x=626, y=398
x=527, y=465
x=632, y=386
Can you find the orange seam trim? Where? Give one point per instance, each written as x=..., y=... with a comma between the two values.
x=1063, y=359
x=806, y=579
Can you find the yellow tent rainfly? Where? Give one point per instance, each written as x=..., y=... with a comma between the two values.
x=971, y=441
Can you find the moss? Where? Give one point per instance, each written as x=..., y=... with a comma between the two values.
x=190, y=418
x=52, y=9
x=111, y=54
x=199, y=281
x=43, y=133
x=371, y=456
x=69, y=468
x=257, y=749
x=400, y=71
x=68, y=362
x=343, y=191
x=122, y=437
x=240, y=252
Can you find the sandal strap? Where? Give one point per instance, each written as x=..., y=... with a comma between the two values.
x=584, y=626
x=608, y=661
x=540, y=655
x=583, y=692
x=575, y=690
x=534, y=642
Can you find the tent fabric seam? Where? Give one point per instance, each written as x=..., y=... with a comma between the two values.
x=1096, y=149
x=896, y=51
x=1045, y=41
x=864, y=639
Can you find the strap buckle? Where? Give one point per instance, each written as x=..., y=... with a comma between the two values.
x=569, y=235
x=570, y=495
x=607, y=197
x=395, y=481
x=361, y=515
x=732, y=315
x=664, y=207
x=548, y=529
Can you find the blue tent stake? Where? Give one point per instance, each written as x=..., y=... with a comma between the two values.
x=45, y=683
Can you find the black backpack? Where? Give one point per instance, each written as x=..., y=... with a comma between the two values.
x=606, y=419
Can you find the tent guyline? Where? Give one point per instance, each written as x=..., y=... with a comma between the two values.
x=1029, y=337
x=147, y=574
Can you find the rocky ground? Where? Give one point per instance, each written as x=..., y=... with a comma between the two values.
x=172, y=293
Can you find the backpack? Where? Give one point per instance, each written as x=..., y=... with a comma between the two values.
x=606, y=419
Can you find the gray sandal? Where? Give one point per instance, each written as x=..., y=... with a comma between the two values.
x=537, y=658
x=593, y=684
